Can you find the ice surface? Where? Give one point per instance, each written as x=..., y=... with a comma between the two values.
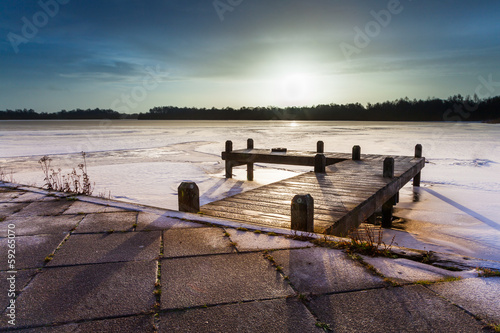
x=456, y=210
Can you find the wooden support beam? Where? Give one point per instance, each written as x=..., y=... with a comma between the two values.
x=418, y=154
x=250, y=165
x=387, y=214
x=229, y=164
x=302, y=213
x=189, y=197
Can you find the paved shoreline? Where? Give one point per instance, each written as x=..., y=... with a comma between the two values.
x=88, y=264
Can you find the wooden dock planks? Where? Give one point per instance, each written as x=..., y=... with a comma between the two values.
x=345, y=196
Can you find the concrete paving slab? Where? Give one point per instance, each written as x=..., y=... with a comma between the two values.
x=480, y=296
x=7, y=195
x=197, y=241
x=67, y=294
x=38, y=225
x=81, y=207
x=8, y=209
x=101, y=248
x=21, y=278
x=105, y=222
x=405, y=270
x=404, y=309
x=251, y=241
x=133, y=324
x=150, y=221
x=31, y=250
x=193, y=281
x=321, y=270
x=280, y=315
x=45, y=208
x=29, y=197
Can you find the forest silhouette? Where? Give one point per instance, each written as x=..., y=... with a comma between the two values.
x=455, y=108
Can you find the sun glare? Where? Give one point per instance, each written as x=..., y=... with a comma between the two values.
x=295, y=89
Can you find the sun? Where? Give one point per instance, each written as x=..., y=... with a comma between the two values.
x=296, y=88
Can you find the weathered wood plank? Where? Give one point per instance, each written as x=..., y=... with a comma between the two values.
x=347, y=194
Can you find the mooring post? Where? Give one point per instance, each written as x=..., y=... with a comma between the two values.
x=388, y=167
x=320, y=163
x=189, y=197
x=250, y=165
x=302, y=213
x=387, y=206
x=356, y=153
x=320, y=147
x=418, y=154
x=229, y=163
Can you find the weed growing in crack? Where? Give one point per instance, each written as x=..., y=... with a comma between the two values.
x=77, y=182
x=365, y=240
x=487, y=272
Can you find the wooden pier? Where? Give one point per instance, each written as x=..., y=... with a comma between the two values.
x=344, y=189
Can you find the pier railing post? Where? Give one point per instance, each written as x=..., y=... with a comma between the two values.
x=418, y=154
x=387, y=206
x=320, y=163
x=229, y=163
x=356, y=153
x=250, y=165
x=388, y=167
x=302, y=213
x=189, y=197
x=320, y=147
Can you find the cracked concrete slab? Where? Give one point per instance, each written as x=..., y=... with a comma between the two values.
x=86, y=292
x=321, y=270
x=279, y=315
x=406, y=271
x=104, y=222
x=251, y=241
x=35, y=225
x=480, y=296
x=402, y=309
x=101, y=248
x=81, y=207
x=150, y=221
x=21, y=278
x=218, y=279
x=50, y=207
x=31, y=250
x=197, y=241
x=122, y=325
x=8, y=209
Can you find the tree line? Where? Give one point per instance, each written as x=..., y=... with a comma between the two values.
x=455, y=108
x=30, y=114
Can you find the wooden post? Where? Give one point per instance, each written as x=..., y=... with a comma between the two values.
x=356, y=153
x=250, y=144
x=320, y=163
x=250, y=165
x=418, y=154
x=387, y=214
x=320, y=147
x=303, y=213
x=229, y=163
x=387, y=206
x=389, y=167
x=189, y=197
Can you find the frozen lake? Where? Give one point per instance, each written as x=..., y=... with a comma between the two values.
x=456, y=209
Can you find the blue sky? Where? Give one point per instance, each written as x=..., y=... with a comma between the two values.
x=133, y=55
